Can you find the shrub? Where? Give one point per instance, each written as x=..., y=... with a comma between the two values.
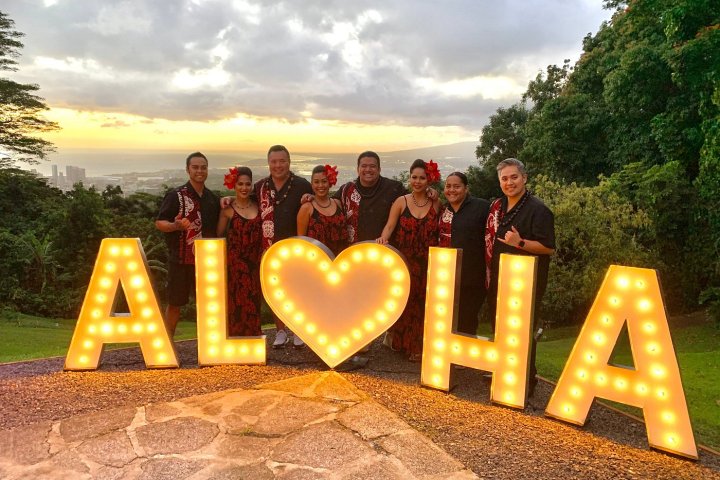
x=594, y=228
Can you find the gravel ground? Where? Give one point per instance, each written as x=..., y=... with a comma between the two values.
x=493, y=441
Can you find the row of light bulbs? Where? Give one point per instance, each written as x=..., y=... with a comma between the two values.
x=294, y=270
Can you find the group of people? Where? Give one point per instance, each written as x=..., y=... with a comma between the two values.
x=371, y=207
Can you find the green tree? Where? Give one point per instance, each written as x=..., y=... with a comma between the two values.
x=85, y=223
x=503, y=136
x=639, y=113
x=20, y=107
x=547, y=86
x=567, y=140
x=594, y=228
x=28, y=203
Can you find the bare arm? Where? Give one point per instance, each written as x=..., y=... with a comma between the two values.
x=437, y=205
x=395, y=211
x=225, y=216
x=537, y=248
x=180, y=223
x=226, y=202
x=303, y=218
x=512, y=238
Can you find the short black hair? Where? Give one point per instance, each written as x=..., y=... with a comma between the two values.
x=512, y=162
x=278, y=148
x=193, y=155
x=370, y=154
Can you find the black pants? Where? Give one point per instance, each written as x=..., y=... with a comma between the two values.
x=471, y=301
x=492, y=310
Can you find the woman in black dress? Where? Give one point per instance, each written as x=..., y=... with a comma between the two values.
x=413, y=226
x=243, y=226
x=462, y=225
x=323, y=218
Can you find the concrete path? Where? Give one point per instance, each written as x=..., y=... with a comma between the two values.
x=313, y=426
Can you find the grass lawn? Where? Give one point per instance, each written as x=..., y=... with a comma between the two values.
x=697, y=345
x=23, y=337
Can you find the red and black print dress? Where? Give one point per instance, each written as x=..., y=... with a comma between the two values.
x=329, y=229
x=414, y=237
x=244, y=244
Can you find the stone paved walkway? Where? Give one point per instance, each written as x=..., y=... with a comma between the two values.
x=313, y=426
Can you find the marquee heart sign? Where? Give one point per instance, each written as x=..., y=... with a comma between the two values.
x=336, y=306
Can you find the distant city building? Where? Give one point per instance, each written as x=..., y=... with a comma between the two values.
x=74, y=175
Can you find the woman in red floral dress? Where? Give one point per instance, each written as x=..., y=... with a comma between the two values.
x=243, y=226
x=413, y=226
x=323, y=219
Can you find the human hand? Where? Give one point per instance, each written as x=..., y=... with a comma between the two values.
x=181, y=223
x=512, y=237
x=226, y=201
x=432, y=194
x=381, y=241
x=307, y=197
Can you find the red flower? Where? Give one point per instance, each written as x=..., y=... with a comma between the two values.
x=432, y=171
x=331, y=173
x=231, y=178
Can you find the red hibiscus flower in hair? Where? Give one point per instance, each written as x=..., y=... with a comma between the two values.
x=331, y=173
x=432, y=171
x=231, y=178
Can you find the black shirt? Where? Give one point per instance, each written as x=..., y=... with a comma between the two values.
x=209, y=214
x=375, y=205
x=534, y=221
x=468, y=233
x=286, y=207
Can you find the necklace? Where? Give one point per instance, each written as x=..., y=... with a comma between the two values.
x=507, y=219
x=369, y=194
x=274, y=192
x=427, y=200
x=324, y=206
x=245, y=207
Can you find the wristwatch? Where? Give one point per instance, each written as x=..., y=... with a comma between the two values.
x=521, y=244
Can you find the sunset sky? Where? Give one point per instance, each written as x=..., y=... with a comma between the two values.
x=322, y=76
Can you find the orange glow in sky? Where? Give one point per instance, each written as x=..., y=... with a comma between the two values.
x=82, y=129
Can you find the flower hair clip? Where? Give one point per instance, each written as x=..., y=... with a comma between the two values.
x=331, y=173
x=231, y=178
x=432, y=171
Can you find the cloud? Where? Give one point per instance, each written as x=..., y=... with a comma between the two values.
x=406, y=62
x=115, y=124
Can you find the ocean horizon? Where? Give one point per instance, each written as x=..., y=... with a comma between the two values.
x=110, y=162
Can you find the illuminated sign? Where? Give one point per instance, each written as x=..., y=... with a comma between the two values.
x=120, y=261
x=629, y=295
x=339, y=305
x=214, y=346
x=335, y=306
x=507, y=356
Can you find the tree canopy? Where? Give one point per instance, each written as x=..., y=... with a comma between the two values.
x=20, y=107
x=639, y=115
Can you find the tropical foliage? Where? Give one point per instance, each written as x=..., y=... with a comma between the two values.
x=632, y=127
x=20, y=116
x=50, y=240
